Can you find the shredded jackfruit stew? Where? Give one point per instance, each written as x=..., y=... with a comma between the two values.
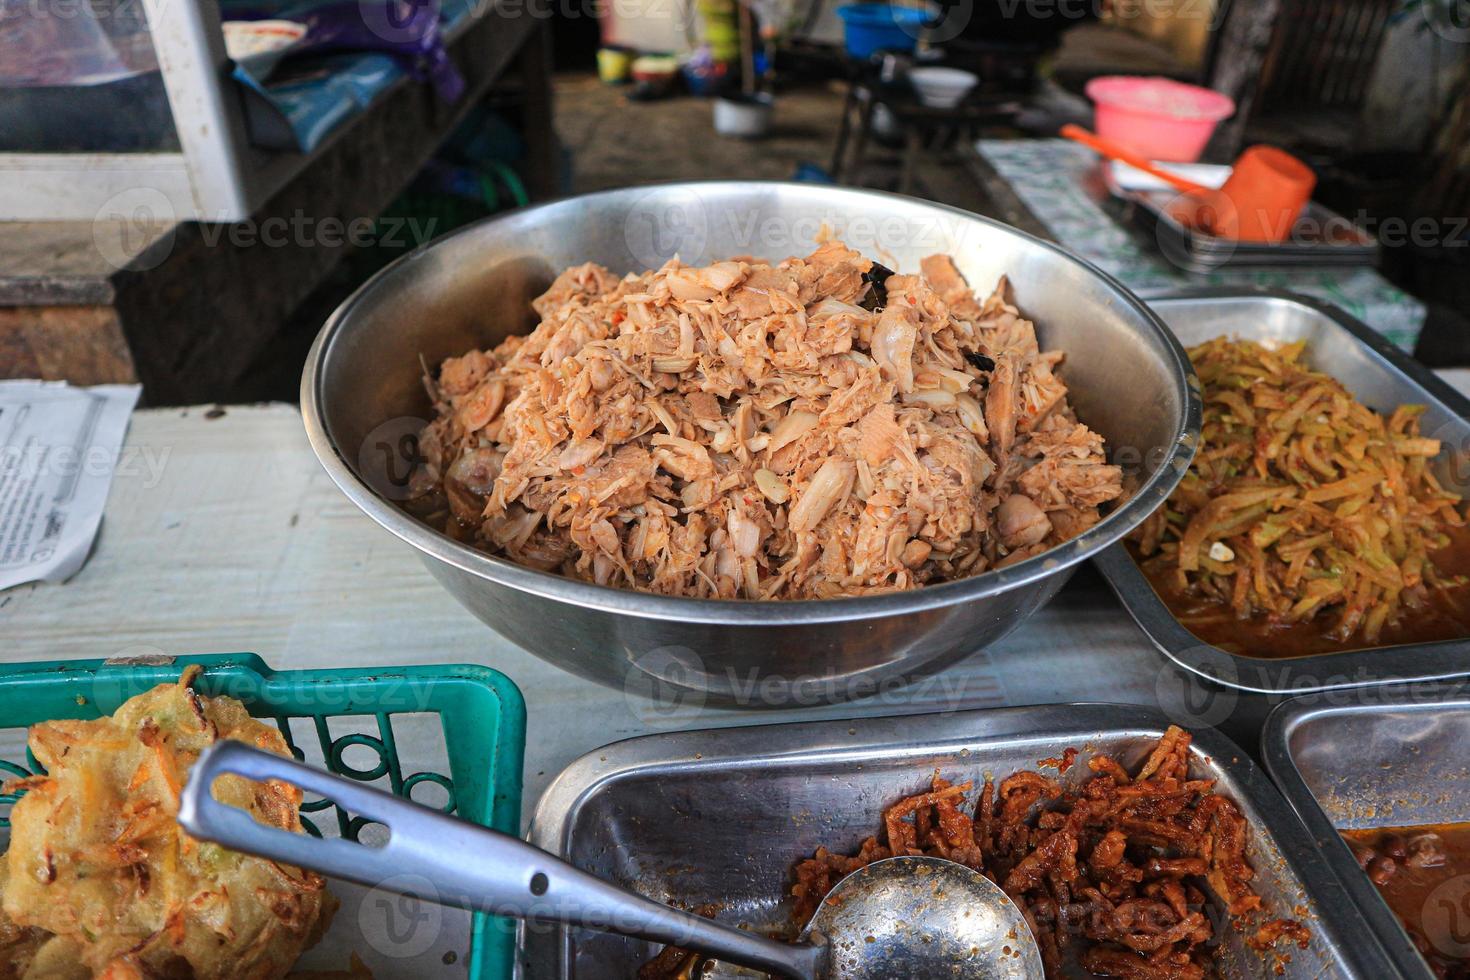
x=815, y=428
x=1304, y=511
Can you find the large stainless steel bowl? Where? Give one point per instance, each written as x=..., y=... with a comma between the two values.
x=362, y=397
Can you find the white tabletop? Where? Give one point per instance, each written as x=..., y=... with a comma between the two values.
x=223, y=534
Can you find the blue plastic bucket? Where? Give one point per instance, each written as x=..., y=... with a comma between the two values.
x=870, y=27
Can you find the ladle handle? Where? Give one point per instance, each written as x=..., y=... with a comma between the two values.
x=441, y=859
x=1116, y=151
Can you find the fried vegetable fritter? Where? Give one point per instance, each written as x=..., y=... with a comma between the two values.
x=100, y=880
x=18, y=944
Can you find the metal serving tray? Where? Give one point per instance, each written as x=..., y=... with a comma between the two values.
x=1382, y=378
x=1395, y=760
x=1198, y=251
x=1321, y=236
x=722, y=816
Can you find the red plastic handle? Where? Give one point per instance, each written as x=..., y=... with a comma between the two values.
x=1115, y=151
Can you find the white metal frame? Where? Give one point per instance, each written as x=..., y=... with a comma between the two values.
x=216, y=175
x=207, y=115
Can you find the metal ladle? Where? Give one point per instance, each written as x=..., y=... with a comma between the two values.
x=906, y=916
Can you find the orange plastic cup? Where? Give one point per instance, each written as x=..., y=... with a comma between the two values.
x=1261, y=200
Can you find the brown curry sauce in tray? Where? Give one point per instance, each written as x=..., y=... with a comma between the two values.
x=1445, y=614
x=1423, y=873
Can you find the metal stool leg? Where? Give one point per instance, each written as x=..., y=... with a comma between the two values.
x=913, y=146
x=860, y=141
x=844, y=129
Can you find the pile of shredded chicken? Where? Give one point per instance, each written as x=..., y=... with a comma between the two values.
x=1110, y=874
x=1303, y=504
x=816, y=428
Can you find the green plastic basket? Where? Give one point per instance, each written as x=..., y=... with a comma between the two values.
x=481, y=716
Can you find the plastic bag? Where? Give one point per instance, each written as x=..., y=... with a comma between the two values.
x=73, y=42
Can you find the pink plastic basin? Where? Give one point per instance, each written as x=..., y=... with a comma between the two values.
x=1157, y=117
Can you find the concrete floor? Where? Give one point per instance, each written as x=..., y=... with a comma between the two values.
x=615, y=142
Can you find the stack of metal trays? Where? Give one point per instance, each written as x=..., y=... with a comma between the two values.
x=720, y=817
x=1321, y=237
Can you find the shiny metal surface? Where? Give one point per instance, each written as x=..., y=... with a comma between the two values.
x=930, y=916
x=721, y=817
x=361, y=393
x=1193, y=251
x=1395, y=758
x=1379, y=376
x=449, y=861
x=923, y=917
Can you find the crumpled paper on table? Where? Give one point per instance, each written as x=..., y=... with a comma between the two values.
x=58, y=450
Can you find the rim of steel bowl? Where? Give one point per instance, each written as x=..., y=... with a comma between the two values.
x=1149, y=494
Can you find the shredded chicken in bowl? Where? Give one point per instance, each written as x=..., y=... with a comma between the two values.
x=811, y=429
